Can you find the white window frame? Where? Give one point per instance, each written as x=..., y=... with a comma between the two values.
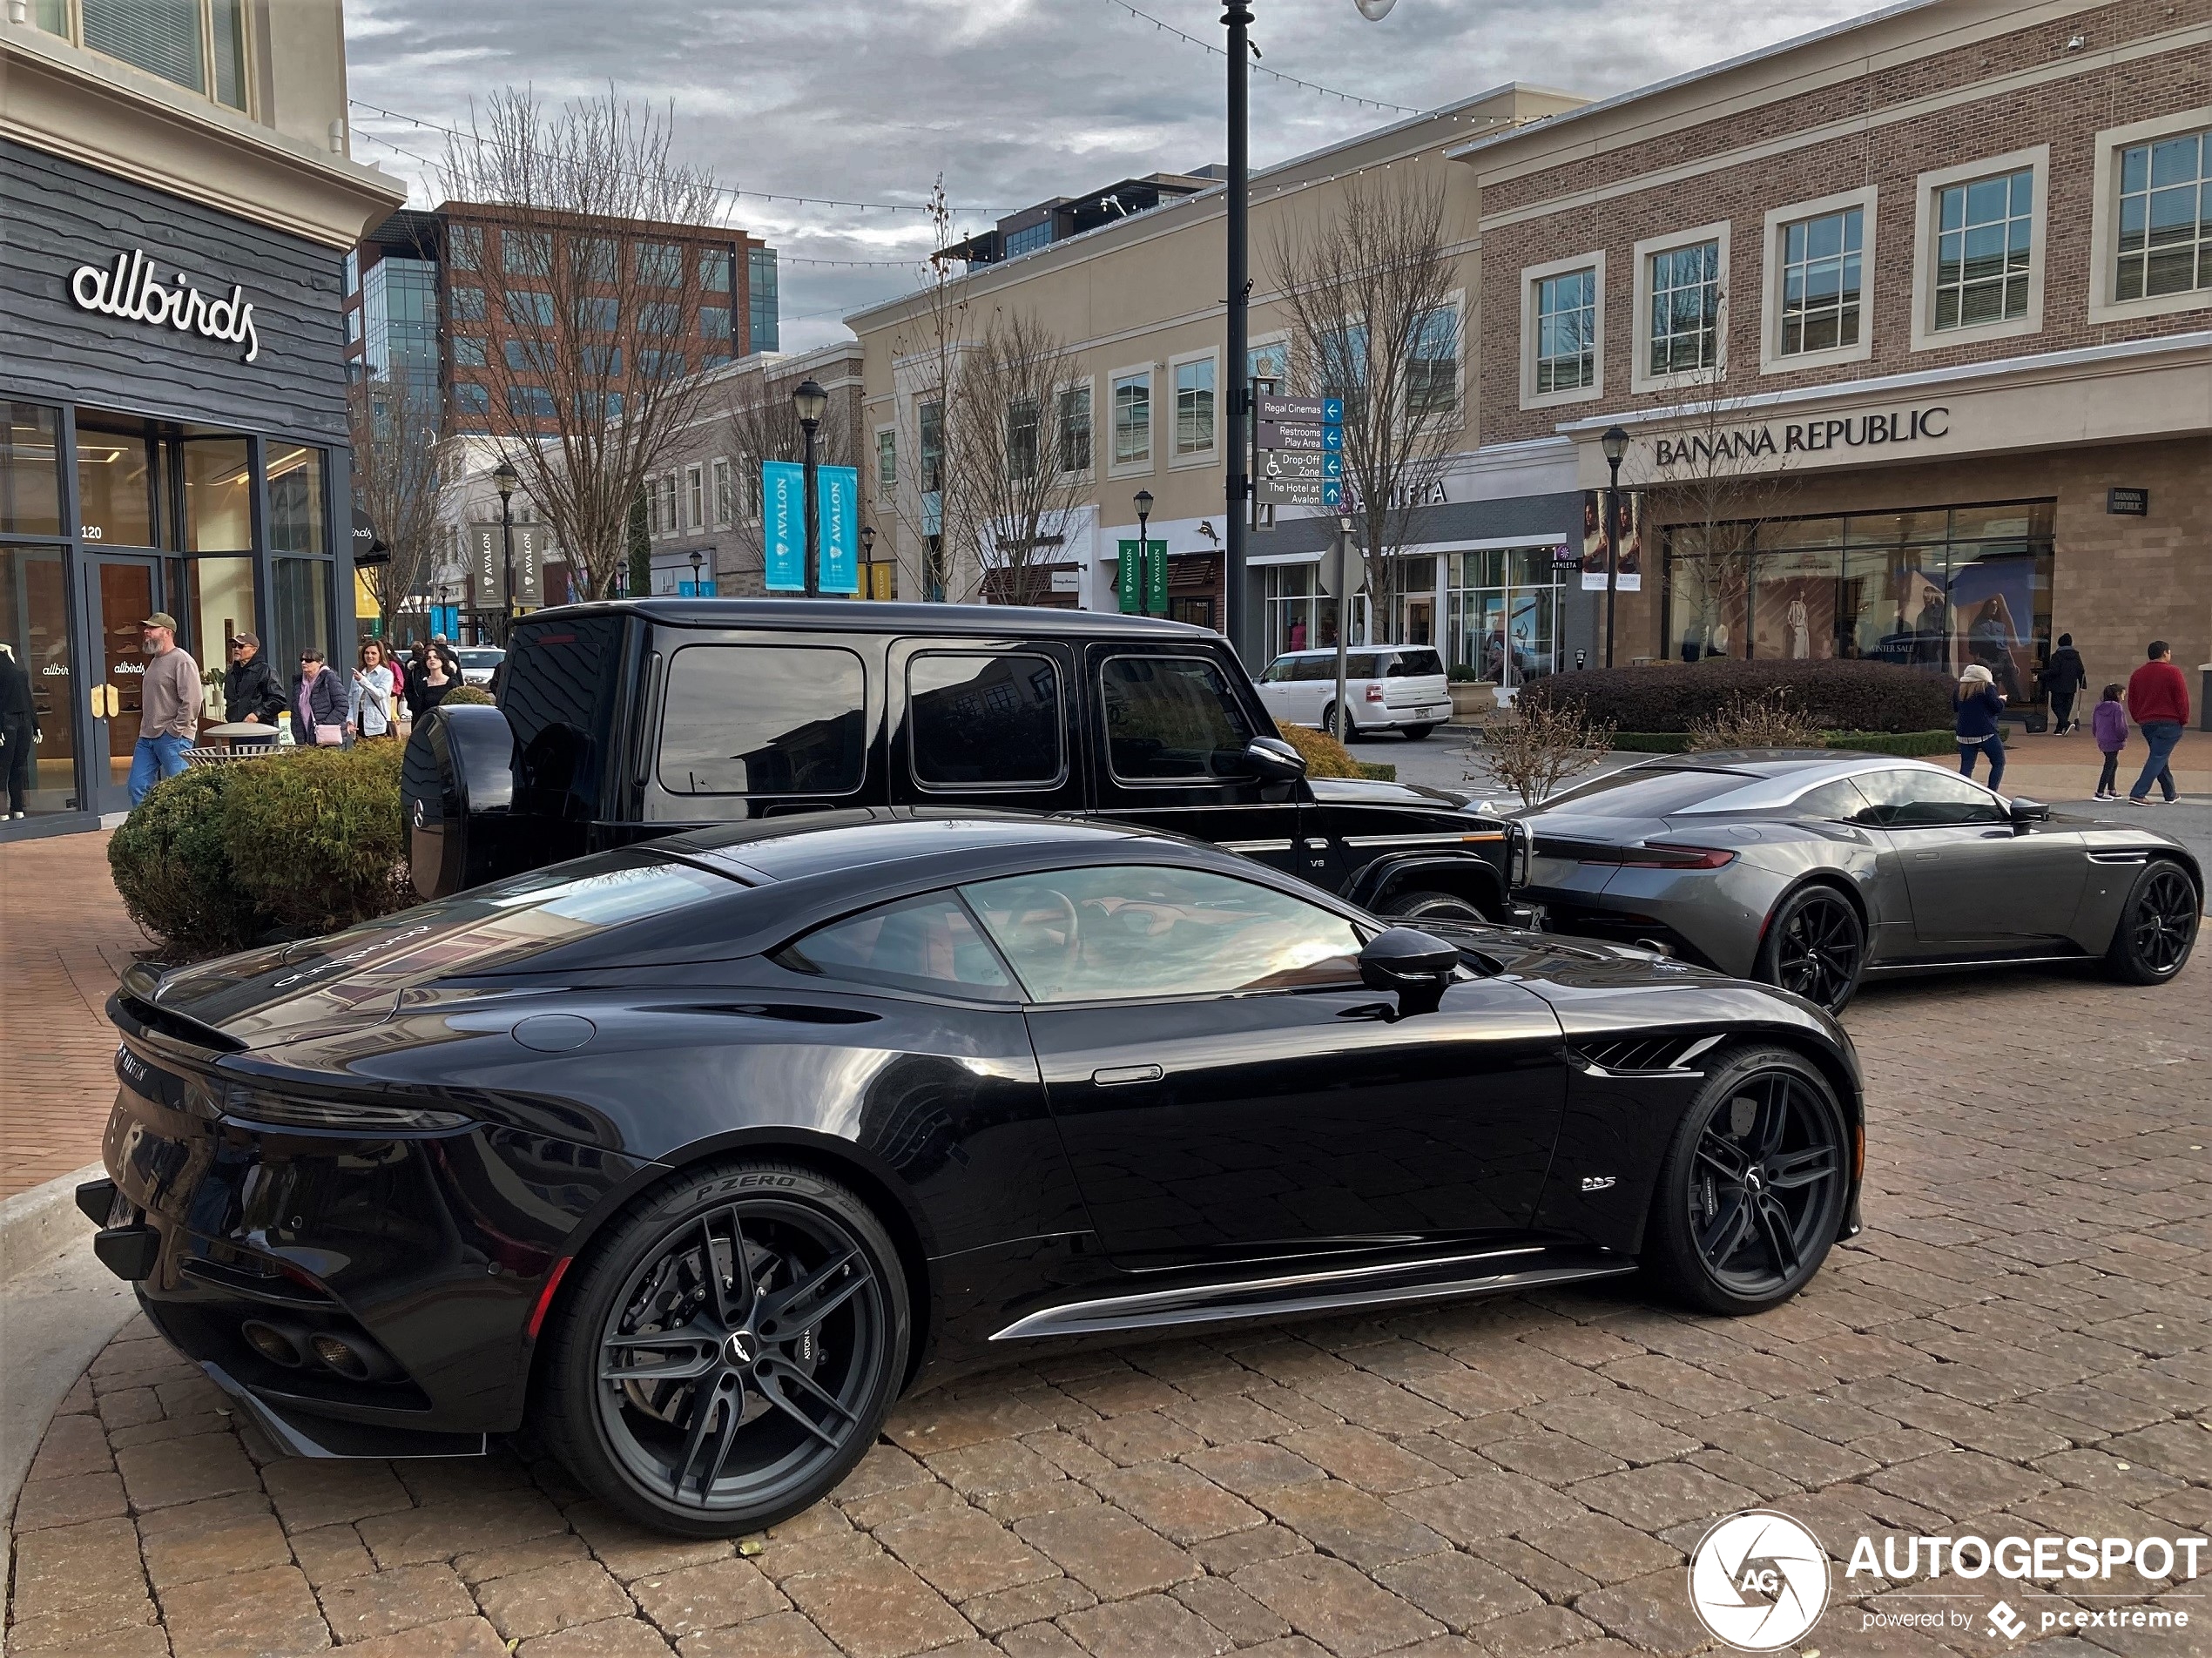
x=1177, y=456
x=1927, y=226
x=1114, y=378
x=694, y=498
x=2104, y=220
x=884, y=486
x=1456, y=416
x=725, y=500
x=1641, y=379
x=1082, y=383
x=1530, y=276
x=1772, y=362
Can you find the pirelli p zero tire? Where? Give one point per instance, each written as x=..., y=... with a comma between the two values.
x=1751, y=1192
x=1815, y=945
x=1420, y=905
x=2157, y=924
x=728, y=1349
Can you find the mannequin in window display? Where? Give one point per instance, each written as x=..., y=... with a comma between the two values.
x=18, y=732
x=1800, y=635
x=1989, y=641
x=1930, y=646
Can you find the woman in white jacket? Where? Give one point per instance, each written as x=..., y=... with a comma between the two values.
x=369, y=707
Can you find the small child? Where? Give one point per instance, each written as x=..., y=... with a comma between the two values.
x=2109, y=726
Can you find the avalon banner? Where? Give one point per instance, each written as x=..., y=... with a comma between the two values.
x=839, y=503
x=783, y=525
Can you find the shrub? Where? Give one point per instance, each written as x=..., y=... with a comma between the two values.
x=1539, y=746
x=1775, y=720
x=305, y=841
x=467, y=693
x=1834, y=696
x=1324, y=757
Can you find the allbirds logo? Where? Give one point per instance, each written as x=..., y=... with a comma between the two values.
x=1758, y=1580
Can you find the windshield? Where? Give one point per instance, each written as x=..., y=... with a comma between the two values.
x=1636, y=792
x=479, y=657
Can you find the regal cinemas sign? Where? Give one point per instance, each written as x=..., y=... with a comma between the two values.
x=1740, y=443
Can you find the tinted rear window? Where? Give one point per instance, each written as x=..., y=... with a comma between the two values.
x=984, y=721
x=557, y=690
x=763, y=719
x=1635, y=793
x=1414, y=665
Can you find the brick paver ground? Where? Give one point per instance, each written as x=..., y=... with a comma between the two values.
x=2016, y=1345
x=64, y=938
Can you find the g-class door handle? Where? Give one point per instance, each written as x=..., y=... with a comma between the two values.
x=1115, y=1076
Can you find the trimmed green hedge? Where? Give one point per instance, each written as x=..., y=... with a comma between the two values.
x=1844, y=696
x=302, y=843
x=1911, y=744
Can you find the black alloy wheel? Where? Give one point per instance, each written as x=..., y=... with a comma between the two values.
x=732, y=1350
x=1423, y=905
x=2158, y=925
x=1816, y=946
x=1752, y=1191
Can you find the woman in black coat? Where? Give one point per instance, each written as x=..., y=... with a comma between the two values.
x=2063, y=678
x=18, y=732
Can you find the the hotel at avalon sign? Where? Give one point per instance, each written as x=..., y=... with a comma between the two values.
x=1741, y=443
x=129, y=290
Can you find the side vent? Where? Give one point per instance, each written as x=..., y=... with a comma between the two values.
x=1644, y=1055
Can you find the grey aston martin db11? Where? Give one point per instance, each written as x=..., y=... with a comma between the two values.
x=1813, y=870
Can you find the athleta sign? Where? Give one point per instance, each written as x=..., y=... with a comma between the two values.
x=1805, y=437
x=129, y=290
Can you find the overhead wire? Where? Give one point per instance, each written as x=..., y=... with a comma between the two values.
x=1261, y=69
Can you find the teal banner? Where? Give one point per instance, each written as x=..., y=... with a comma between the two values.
x=783, y=525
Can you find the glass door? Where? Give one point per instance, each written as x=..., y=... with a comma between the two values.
x=37, y=692
x=120, y=592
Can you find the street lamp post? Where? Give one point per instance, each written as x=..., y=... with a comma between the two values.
x=698, y=559
x=1236, y=17
x=506, y=477
x=867, y=560
x=809, y=400
x=1616, y=444
x=1143, y=555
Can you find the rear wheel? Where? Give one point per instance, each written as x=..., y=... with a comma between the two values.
x=2157, y=926
x=1414, y=733
x=730, y=1350
x=1816, y=946
x=1424, y=904
x=1334, y=722
x=1752, y=1188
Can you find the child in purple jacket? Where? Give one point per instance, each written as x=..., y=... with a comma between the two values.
x=2109, y=724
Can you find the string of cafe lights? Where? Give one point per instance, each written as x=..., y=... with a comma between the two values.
x=1261, y=69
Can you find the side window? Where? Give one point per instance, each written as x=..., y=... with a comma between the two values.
x=1132, y=931
x=1172, y=719
x=1316, y=668
x=926, y=944
x=975, y=720
x=1278, y=670
x=763, y=719
x=1923, y=798
x=1836, y=802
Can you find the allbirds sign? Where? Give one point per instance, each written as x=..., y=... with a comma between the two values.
x=128, y=289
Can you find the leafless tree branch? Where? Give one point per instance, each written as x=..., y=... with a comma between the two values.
x=395, y=431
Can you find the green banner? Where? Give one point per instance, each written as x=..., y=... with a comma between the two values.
x=1141, y=583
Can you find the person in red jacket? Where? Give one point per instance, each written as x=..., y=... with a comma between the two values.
x=2159, y=698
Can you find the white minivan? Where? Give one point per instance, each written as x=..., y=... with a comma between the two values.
x=1386, y=688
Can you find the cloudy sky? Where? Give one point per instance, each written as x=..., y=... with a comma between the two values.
x=1010, y=101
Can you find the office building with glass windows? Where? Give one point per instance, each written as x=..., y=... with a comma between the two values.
x=179, y=202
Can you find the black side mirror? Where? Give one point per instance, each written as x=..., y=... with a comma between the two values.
x=2028, y=811
x=1272, y=760
x=1418, y=966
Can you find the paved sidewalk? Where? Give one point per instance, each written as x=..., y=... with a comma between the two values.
x=64, y=938
x=2019, y=1344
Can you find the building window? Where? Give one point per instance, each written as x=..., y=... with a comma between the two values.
x=353, y=272
x=1821, y=282
x=530, y=307
x=714, y=273
x=1194, y=408
x=660, y=264
x=714, y=322
x=526, y=252
x=886, y=460
x=694, y=498
x=1984, y=231
x=1071, y=430
x=1432, y=366
x=177, y=40
x=930, y=419
x=1271, y=360
x=468, y=303
x=1028, y=238
x=1022, y=421
x=598, y=316
x=465, y=247
x=600, y=362
x=1685, y=309
x=661, y=364
x=530, y=401
x=725, y=500
x=2165, y=218
x=762, y=331
x=468, y=351
x=1566, y=332
x=353, y=327
x=661, y=318
x=469, y=398
x=1133, y=420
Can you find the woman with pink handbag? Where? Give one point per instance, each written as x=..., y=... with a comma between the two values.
x=318, y=704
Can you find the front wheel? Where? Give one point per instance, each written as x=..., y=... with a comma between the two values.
x=1751, y=1191
x=1816, y=946
x=2157, y=925
x=730, y=1350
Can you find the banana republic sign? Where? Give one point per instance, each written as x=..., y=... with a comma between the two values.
x=1741, y=443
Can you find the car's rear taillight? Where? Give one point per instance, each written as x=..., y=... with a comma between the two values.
x=1658, y=854
x=1374, y=693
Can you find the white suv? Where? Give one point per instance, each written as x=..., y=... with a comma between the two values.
x=1386, y=688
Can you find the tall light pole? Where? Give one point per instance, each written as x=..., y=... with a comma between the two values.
x=1143, y=500
x=1236, y=17
x=506, y=477
x=1616, y=444
x=810, y=399
x=867, y=560
x=698, y=559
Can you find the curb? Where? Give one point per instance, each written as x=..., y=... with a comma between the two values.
x=38, y=1227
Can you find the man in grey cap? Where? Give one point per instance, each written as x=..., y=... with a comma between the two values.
x=170, y=699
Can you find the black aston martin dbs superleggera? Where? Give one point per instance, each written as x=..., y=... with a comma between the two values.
x=696, y=1154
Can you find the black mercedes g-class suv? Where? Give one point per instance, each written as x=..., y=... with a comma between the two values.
x=627, y=719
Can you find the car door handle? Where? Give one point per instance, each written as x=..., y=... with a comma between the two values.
x=1117, y=1075
x=1926, y=857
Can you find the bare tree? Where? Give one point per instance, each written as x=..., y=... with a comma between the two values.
x=585, y=368
x=764, y=426
x=1369, y=294
x=394, y=432
x=1016, y=497
x=1539, y=746
x=927, y=362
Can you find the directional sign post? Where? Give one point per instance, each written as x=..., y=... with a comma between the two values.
x=1299, y=451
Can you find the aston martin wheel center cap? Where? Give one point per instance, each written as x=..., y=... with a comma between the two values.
x=1754, y=1182
x=741, y=1348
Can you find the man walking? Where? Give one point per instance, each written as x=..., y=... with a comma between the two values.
x=2159, y=698
x=169, y=703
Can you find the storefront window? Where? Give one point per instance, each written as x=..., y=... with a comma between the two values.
x=295, y=500
x=37, y=762
x=30, y=494
x=219, y=605
x=218, y=495
x=115, y=488
x=1501, y=613
x=1300, y=616
x=299, y=613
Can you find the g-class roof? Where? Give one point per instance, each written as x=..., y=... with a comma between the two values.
x=817, y=616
